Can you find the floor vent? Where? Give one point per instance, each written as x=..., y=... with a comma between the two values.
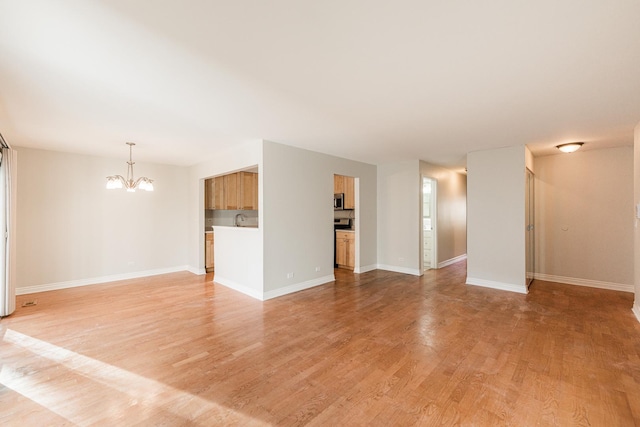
x=29, y=303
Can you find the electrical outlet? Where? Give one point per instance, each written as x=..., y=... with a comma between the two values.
x=317, y=268
x=289, y=275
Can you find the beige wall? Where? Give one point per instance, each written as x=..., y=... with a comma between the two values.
x=72, y=230
x=399, y=222
x=496, y=218
x=584, y=224
x=452, y=211
x=399, y=210
x=298, y=216
x=636, y=186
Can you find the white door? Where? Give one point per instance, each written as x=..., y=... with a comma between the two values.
x=429, y=223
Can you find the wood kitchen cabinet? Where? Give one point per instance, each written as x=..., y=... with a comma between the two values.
x=345, y=249
x=248, y=190
x=231, y=191
x=346, y=185
x=209, y=195
x=234, y=191
x=214, y=193
x=208, y=252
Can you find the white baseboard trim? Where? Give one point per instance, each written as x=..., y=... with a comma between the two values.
x=97, y=280
x=584, y=282
x=521, y=289
x=197, y=271
x=366, y=268
x=227, y=283
x=636, y=310
x=298, y=287
x=405, y=270
x=452, y=260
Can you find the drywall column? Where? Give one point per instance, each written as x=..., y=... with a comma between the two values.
x=496, y=218
x=399, y=222
x=636, y=200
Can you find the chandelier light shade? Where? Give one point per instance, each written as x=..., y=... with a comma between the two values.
x=570, y=147
x=130, y=183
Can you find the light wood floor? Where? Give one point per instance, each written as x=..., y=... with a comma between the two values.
x=378, y=348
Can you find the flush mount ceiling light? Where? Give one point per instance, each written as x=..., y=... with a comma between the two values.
x=117, y=181
x=569, y=147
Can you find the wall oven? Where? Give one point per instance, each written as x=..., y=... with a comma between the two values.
x=338, y=201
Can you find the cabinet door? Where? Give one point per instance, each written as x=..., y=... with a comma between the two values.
x=209, y=194
x=349, y=192
x=351, y=251
x=338, y=184
x=218, y=193
x=341, y=249
x=231, y=190
x=248, y=190
x=208, y=251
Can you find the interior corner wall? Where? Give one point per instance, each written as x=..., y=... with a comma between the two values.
x=71, y=230
x=584, y=230
x=399, y=222
x=495, y=218
x=636, y=190
x=298, y=216
x=233, y=159
x=452, y=211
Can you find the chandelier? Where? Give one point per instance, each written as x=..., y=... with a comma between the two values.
x=130, y=183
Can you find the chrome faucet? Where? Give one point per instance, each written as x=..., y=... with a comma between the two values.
x=241, y=217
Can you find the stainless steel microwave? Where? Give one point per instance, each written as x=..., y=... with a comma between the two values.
x=338, y=201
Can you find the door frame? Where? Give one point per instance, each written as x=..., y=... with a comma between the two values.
x=434, y=222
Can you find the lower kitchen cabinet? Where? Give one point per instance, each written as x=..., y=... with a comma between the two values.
x=345, y=249
x=208, y=252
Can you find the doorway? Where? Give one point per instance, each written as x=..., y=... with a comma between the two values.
x=429, y=236
x=529, y=226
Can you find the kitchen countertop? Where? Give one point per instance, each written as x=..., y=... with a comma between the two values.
x=348, y=230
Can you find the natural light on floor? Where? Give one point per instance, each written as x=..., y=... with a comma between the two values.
x=50, y=386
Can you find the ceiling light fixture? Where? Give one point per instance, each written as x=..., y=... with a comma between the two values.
x=117, y=181
x=570, y=147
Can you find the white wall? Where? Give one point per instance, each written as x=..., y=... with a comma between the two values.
x=238, y=259
x=399, y=222
x=584, y=225
x=496, y=218
x=231, y=160
x=636, y=190
x=238, y=253
x=71, y=230
x=298, y=216
x=452, y=211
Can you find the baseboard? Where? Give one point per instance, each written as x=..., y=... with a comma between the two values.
x=97, y=280
x=405, y=270
x=197, y=271
x=227, y=283
x=521, y=289
x=584, y=282
x=366, y=268
x=298, y=287
x=636, y=310
x=452, y=261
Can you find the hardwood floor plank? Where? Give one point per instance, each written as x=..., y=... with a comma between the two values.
x=378, y=348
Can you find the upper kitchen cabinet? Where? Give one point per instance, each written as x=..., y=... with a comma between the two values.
x=235, y=191
x=346, y=185
x=231, y=190
x=209, y=194
x=248, y=195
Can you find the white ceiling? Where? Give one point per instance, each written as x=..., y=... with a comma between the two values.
x=369, y=80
